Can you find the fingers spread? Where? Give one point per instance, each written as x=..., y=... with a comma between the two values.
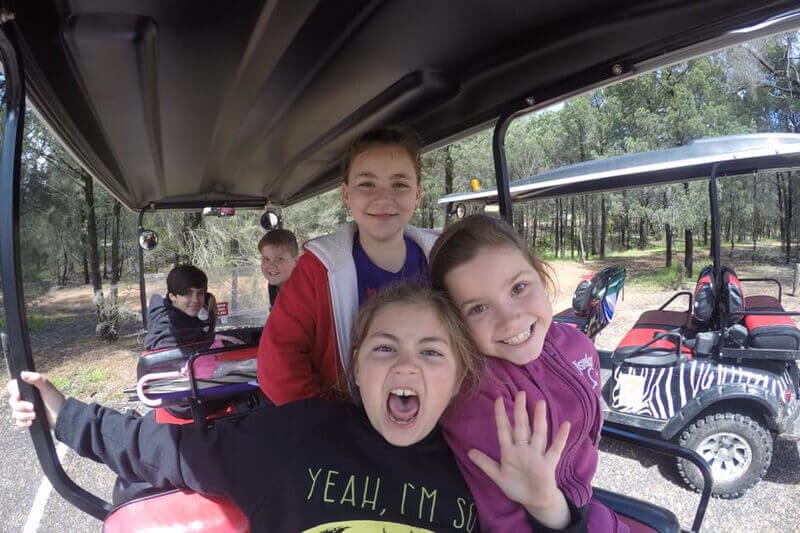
x=503, y=425
x=559, y=441
x=539, y=437
x=522, y=428
x=487, y=465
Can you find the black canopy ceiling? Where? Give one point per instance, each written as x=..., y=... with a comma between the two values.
x=187, y=102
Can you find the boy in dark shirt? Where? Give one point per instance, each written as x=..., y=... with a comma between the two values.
x=187, y=314
x=278, y=249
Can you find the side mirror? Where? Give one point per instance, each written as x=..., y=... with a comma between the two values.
x=148, y=239
x=461, y=211
x=271, y=219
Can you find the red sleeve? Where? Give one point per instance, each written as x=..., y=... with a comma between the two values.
x=286, y=369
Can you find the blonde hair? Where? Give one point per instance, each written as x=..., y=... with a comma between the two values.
x=465, y=239
x=468, y=362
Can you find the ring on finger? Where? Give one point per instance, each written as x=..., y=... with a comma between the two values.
x=523, y=443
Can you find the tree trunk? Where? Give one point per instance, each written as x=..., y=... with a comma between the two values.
x=556, y=227
x=572, y=229
x=105, y=245
x=116, y=267
x=688, y=260
x=603, y=226
x=91, y=238
x=642, y=233
x=85, y=260
x=789, y=204
x=668, y=232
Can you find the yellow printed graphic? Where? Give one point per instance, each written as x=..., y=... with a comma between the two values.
x=366, y=526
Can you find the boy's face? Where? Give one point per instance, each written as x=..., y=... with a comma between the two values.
x=277, y=263
x=191, y=302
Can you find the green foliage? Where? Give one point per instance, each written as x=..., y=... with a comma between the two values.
x=664, y=277
x=35, y=319
x=749, y=88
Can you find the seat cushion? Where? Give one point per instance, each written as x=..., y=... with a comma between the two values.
x=571, y=318
x=776, y=332
x=662, y=352
x=664, y=319
x=178, y=510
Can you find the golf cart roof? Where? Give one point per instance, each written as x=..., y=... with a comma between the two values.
x=734, y=155
x=183, y=103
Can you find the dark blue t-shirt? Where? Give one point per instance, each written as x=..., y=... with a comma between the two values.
x=372, y=278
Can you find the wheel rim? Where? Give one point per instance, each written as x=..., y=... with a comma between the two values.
x=728, y=455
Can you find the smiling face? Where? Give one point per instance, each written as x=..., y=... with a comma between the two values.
x=504, y=302
x=382, y=190
x=406, y=372
x=191, y=302
x=277, y=262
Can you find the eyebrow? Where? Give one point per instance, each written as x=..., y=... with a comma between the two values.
x=395, y=338
x=398, y=176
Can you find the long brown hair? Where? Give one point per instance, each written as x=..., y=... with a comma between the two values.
x=465, y=239
x=467, y=360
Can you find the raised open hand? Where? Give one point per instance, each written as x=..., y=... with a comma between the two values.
x=526, y=472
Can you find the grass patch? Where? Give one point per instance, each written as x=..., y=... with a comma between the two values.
x=80, y=383
x=662, y=278
x=37, y=321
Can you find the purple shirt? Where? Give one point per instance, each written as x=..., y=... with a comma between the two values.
x=566, y=375
x=372, y=278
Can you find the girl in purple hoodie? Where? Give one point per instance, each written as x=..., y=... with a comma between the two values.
x=503, y=292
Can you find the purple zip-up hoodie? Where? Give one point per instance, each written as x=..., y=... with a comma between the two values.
x=566, y=375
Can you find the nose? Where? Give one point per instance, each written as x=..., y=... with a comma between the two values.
x=507, y=316
x=405, y=364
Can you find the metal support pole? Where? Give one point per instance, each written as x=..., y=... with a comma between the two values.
x=142, y=288
x=501, y=166
x=716, y=253
x=19, y=348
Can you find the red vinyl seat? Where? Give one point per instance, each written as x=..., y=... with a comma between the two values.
x=177, y=511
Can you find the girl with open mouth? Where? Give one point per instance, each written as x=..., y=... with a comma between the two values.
x=316, y=465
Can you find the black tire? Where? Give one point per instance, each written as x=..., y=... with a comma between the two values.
x=739, y=449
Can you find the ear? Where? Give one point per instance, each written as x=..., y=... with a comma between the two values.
x=345, y=196
x=419, y=195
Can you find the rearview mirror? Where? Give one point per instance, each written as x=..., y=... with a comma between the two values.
x=219, y=211
x=271, y=219
x=148, y=239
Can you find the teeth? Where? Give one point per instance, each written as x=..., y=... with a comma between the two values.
x=520, y=338
x=403, y=392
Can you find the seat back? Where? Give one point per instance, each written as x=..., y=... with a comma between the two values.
x=705, y=297
x=733, y=302
x=178, y=510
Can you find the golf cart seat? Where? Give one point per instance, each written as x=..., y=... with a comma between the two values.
x=594, y=301
x=224, y=381
x=765, y=332
x=770, y=331
x=655, y=337
x=177, y=510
